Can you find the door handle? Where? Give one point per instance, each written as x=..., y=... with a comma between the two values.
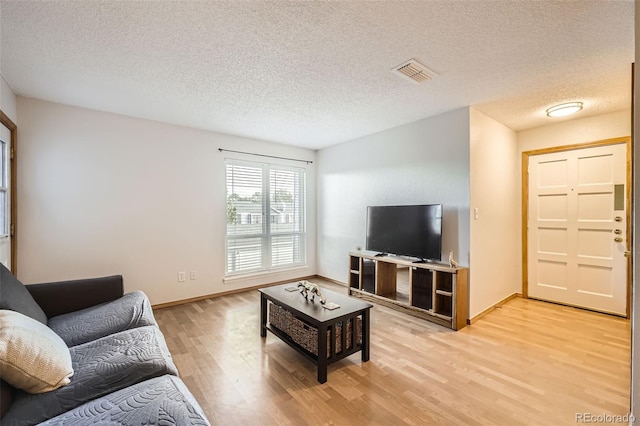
x=618, y=239
x=617, y=231
x=618, y=219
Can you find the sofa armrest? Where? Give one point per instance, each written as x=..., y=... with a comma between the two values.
x=62, y=297
x=6, y=397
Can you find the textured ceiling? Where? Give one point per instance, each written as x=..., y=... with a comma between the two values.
x=313, y=73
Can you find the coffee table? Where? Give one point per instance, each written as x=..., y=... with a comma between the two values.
x=314, y=314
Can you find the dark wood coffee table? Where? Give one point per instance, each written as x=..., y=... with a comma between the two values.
x=323, y=319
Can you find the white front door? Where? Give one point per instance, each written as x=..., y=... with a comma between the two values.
x=5, y=197
x=577, y=228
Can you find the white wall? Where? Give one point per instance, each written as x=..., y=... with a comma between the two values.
x=495, y=271
x=581, y=130
x=7, y=98
x=107, y=194
x=425, y=162
x=8, y=101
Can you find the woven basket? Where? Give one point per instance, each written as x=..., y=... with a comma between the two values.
x=306, y=335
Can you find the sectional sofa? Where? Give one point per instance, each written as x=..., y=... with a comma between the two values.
x=83, y=352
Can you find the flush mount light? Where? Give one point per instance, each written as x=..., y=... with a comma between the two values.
x=564, y=109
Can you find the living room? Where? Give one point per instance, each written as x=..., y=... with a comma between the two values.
x=103, y=193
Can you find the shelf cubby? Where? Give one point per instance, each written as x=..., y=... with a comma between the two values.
x=444, y=281
x=368, y=274
x=421, y=288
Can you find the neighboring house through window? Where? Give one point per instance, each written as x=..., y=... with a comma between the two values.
x=266, y=217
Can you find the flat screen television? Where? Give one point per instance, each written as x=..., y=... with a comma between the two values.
x=413, y=231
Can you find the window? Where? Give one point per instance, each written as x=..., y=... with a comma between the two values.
x=265, y=217
x=4, y=189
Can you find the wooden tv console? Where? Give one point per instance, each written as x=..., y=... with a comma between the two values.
x=437, y=292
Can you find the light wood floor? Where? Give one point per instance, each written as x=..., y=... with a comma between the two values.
x=528, y=362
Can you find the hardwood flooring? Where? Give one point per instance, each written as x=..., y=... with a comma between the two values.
x=528, y=362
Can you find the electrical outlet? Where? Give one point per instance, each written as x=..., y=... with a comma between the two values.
x=192, y=276
x=181, y=276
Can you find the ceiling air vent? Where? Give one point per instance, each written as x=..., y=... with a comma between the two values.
x=415, y=71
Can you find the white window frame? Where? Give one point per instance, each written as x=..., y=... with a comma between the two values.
x=4, y=188
x=299, y=237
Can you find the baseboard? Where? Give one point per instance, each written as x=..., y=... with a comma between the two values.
x=332, y=281
x=493, y=308
x=226, y=293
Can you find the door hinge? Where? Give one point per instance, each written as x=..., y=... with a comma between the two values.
x=12, y=229
x=12, y=153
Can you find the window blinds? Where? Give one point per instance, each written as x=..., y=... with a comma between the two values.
x=265, y=217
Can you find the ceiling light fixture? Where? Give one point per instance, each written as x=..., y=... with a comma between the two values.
x=564, y=109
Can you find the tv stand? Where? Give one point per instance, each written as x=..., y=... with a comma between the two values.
x=437, y=292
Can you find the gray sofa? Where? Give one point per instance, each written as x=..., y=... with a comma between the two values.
x=123, y=373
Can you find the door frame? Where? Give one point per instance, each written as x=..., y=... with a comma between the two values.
x=13, y=226
x=525, y=204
